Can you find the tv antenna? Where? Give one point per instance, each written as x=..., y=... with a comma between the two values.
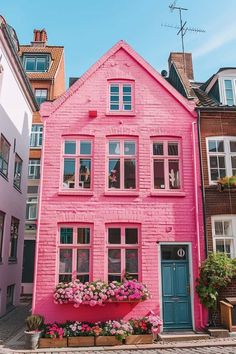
x=182, y=28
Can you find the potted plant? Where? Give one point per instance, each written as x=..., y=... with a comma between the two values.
x=53, y=336
x=81, y=334
x=113, y=333
x=226, y=183
x=144, y=329
x=34, y=324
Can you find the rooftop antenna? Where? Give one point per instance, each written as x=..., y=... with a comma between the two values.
x=182, y=27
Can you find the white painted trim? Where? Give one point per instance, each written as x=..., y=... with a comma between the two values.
x=190, y=262
x=224, y=217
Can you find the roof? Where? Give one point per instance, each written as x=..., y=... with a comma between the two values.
x=56, y=53
x=47, y=108
x=204, y=100
x=186, y=84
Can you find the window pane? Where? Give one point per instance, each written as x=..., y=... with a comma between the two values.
x=65, y=261
x=129, y=174
x=172, y=148
x=212, y=146
x=115, y=99
x=66, y=235
x=214, y=175
x=84, y=173
x=213, y=162
x=65, y=278
x=114, y=107
x=229, y=92
x=114, y=278
x=127, y=107
x=41, y=64
x=70, y=147
x=220, y=145
x=114, y=173
x=83, y=236
x=220, y=246
x=69, y=173
x=174, y=174
x=82, y=261
x=14, y=238
x=126, y=88
x=85, y=148
x=158, y=149
x=159, y=180
x=114, y=236
x=233, y=162
x=83, y=278
x=4, y=155
x=131, y=236
x=34, y=169
x=41, y=95
x=228, y=228
x=114, y=148
x=129, y=148
x=219, y=228
x=232, y=146
x=114, y=261
x=17, y=171
x=127, y=99
x=114, y=88
x=221, y=160
x=131, y=261
x=30, y=64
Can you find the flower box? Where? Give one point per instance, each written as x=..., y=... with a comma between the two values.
x=139, y=339
x=81, y=341
x=52, y=342
x=106, y=341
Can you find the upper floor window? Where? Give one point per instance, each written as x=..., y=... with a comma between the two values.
x=41, y=95
x=34, y=169
x=166, y=164
x=14, y=239
x=75, y=253
x=31, y=208
x=77, y=156
x=36, y=137
x=224, y=232
x=122, y=164
x=228, y=90
x=221, y=157
x=17, y=172
x=36, y=63
x=121, y=97
x=123, y=252
x=2, y=218
x=4, y=155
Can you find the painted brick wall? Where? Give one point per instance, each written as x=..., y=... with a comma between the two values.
x=161, y=218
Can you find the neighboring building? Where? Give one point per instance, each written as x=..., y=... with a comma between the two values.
x=44, y=66
x=216, y=108
x=17, y=104
x=120, y=170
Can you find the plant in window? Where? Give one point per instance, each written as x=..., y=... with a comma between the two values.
x=132, y=290
x=227, y=182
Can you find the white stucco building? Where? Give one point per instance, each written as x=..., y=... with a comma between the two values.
x=17, y=104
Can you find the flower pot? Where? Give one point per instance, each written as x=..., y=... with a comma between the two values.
x=52, y=342
x=106, y=341
x=32, y=339
x=83, y=341
x=139, y=339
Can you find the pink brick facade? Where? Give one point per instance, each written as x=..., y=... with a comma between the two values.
x=161, y=216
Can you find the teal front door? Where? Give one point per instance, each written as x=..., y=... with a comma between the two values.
x=176, y=302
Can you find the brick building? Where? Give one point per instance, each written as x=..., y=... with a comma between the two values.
x=120, y=192
x=44, y=66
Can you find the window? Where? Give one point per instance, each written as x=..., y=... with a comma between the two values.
x=221, y=157
x=77, y=159
x=41, y=95
x=166, y=164
x=228, y=91
x=74, y=253
x=224, y=231
x=122, y=164
x=4, y=156
x=17, y=172
x=121, y=96
x=2, y=218
x=10, y=296
x=36, y=135
x=14, y=239
x=34, y=169
x=31, y=208
x=123, y=252
x=39, y=63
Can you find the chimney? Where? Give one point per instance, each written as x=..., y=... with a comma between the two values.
x=40, y=38
x=177, y=58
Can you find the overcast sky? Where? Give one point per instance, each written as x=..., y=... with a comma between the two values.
x=88, y=28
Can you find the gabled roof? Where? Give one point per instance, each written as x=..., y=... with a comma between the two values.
x=48, y=108
x=204, y=100
x=55, y=52
x=180, y=75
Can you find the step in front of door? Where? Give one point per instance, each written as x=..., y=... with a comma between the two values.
x=182, y=337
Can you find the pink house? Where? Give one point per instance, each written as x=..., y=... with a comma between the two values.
x=120, y=193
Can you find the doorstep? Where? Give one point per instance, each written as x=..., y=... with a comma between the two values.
x=182, y=336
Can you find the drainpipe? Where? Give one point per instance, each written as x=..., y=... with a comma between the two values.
x=194, y=124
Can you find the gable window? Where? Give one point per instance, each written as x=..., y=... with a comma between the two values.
x=41, y=95
x=17, y=172
x=38, y=63
x=4, y=156
x=121, y=96
x=166, y=164
x=31, y=208
x=221, y=157
x=77, y=164
x=14, y=239
x=34, y=169
x=2, y=218
x=122, y=164
x=36, y=137
x=224, y=232
x=122, y=252
x=74, y=253
x=228, y=90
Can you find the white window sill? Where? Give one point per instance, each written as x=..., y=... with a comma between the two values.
x=75, y=192
x=121, y=113
x=119, y=193
x=168, y=193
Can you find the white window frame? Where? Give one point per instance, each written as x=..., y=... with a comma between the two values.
x=121, y=103
x=222, y=89
x=38, y=135
x=28, y=203
x=227, y=154
x=223, y=218
x=41, y=94
x=34, y=166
